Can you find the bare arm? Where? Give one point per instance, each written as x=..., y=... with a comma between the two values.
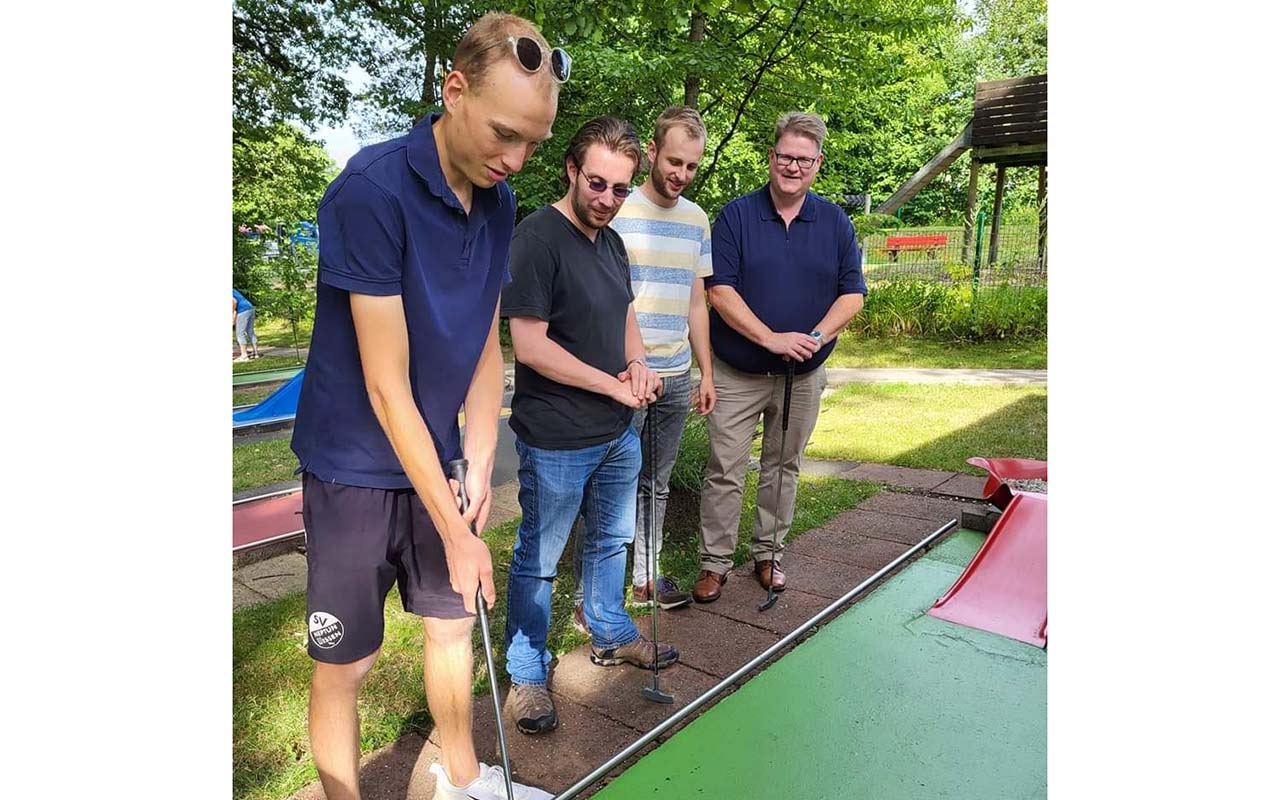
x=730, y=305
x=841, y=311
x=535, y=350
x=700, y=327
x=700, y=343
x=482, y=406
x=383, y=340
x=645, y=383
x=233, y=311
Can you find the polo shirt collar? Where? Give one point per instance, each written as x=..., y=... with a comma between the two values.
x=425, y=160
x=808, y=211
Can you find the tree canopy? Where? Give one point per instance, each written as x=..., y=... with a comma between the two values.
x=893, y=79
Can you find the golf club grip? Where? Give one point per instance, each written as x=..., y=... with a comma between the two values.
x=458, y=471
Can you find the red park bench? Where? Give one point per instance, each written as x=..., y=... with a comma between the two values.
x=931, y=243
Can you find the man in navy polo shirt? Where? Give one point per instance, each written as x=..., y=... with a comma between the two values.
x=787, y=278
x=417, y=232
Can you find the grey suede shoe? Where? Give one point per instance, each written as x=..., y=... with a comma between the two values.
x=638, y=652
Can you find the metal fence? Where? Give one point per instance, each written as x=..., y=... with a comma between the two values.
x=941, y=255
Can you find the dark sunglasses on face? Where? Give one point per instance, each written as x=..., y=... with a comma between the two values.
x=803, y=162
x=529, y=53
x=599, y=185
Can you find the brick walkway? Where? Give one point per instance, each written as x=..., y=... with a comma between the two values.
x=601, y=711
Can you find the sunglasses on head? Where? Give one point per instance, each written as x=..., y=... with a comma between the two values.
x=529, y=53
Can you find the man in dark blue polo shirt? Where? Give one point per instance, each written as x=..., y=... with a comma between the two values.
x=787, y=279
x=414, y=254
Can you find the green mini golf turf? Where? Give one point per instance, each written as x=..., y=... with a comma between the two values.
x=265, y=376
x=884, y=702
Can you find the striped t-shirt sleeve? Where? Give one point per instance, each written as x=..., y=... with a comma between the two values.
x=704, y=260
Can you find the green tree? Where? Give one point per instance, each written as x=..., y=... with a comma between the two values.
x=278, y=177
x=290, y=292
x=288, y=61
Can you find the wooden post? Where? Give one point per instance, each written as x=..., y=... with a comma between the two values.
x=968, y=210
x=995, y=216
x=1042, y=234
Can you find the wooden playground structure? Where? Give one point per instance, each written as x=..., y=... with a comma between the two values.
x=1009, y=128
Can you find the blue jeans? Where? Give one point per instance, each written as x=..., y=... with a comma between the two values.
x=668, y=416
x=554, y=484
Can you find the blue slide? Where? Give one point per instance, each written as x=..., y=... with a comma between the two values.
x=279, y=406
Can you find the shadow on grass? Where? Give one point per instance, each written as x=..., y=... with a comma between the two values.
x=1017, y=430
x=890, y=424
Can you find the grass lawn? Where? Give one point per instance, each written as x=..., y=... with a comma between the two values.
x=271, y=670
x=252, y=395
x=262, y=463
x=931, y=426
x=907, y=352
x=276, y=332
x=265, y=363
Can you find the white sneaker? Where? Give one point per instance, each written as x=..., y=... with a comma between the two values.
x=490, y=785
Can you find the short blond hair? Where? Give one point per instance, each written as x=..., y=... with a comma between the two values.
x=683, y=116
x=803, y=124
x=485, y=43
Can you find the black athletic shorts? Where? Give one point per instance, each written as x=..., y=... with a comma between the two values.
x=360, y=541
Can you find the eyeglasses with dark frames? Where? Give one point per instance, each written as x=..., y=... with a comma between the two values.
x=803, y=162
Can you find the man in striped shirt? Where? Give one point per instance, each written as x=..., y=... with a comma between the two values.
x=668, y=239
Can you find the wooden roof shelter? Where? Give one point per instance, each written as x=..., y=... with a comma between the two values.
x=1009, y=128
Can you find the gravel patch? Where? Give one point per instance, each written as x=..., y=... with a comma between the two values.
x=1037, y=486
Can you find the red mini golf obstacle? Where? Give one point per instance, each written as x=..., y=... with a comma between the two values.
x=257, y=521
x=1004, y=589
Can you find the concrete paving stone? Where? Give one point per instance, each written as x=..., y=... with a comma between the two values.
x=499, y=515
x=398, y=771
x=824, y=466
x=242, y=595
x=552, y=761
x=849, y=548
x=911, y=478
x=277, y=576
x=875, y=525
x=837, y=376
x=615, y=691
x=931, y=509
x=716, y=644
x=829, y=579
x=962, y=486
x=794, y=606
x=507, y=497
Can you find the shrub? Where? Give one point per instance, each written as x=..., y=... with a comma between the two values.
x=906, y=308
x=936, y=310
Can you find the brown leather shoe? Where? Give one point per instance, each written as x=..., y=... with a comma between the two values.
x=707, y=587
x=765, y=570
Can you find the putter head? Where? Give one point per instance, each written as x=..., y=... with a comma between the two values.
x=768, y=602
x=657, y=695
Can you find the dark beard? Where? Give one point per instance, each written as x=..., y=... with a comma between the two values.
x=582, y=210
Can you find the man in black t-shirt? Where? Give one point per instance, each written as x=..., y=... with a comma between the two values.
x=580, y=374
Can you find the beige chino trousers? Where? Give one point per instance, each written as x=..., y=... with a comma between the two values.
x=740, y=399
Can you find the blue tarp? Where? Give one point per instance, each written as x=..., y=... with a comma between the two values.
x=280, y=405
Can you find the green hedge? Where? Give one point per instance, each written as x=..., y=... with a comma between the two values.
x=922, y=308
